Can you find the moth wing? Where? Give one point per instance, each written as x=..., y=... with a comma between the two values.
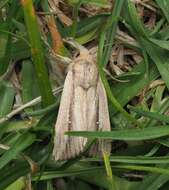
x=103, y=121
x=63, y=120
x=92, y=106
x=79, y=120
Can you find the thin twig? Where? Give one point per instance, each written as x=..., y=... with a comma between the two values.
x=28, y=104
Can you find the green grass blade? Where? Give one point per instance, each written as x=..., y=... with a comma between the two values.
x=99, y=3
x=65, y=173
x=88, y=25
x=17, y=185
x=5, y=44
x=126, y=134
x=7, y=94
x=160, y=58
x=143, y=168
x=11, y=173
x=135, y=21
x=124, y=92
x=158, y=55
x=23, y=142
x=9, y=140
x=110, y=95
x=30, y=88
x=37, y=52
x=112, y=22
x=153, y=115
x=164, y=5
x=152, y=182
x=134, y=159
x=109, y=172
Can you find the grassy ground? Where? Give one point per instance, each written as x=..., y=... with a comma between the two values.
x=130, y=38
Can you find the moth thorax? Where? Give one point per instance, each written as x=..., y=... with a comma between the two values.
x=85, y=74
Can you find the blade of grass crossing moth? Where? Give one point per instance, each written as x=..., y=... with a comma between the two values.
x=126, y=134
x=112, y=185
x=37, y=52
x=115, y=103
x=112, y=22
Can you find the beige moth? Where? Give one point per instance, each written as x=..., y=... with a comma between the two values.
x=83, y=107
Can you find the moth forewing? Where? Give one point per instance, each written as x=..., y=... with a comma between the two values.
x=63, y=119
x=104, y=120
x=83, y=107
x=92, y=109
x=79, y=117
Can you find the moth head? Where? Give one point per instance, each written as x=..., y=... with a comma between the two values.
x=85, y=73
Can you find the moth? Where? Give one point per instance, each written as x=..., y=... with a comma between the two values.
x=83, y=107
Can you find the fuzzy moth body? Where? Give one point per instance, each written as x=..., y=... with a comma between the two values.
x=83, y=107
